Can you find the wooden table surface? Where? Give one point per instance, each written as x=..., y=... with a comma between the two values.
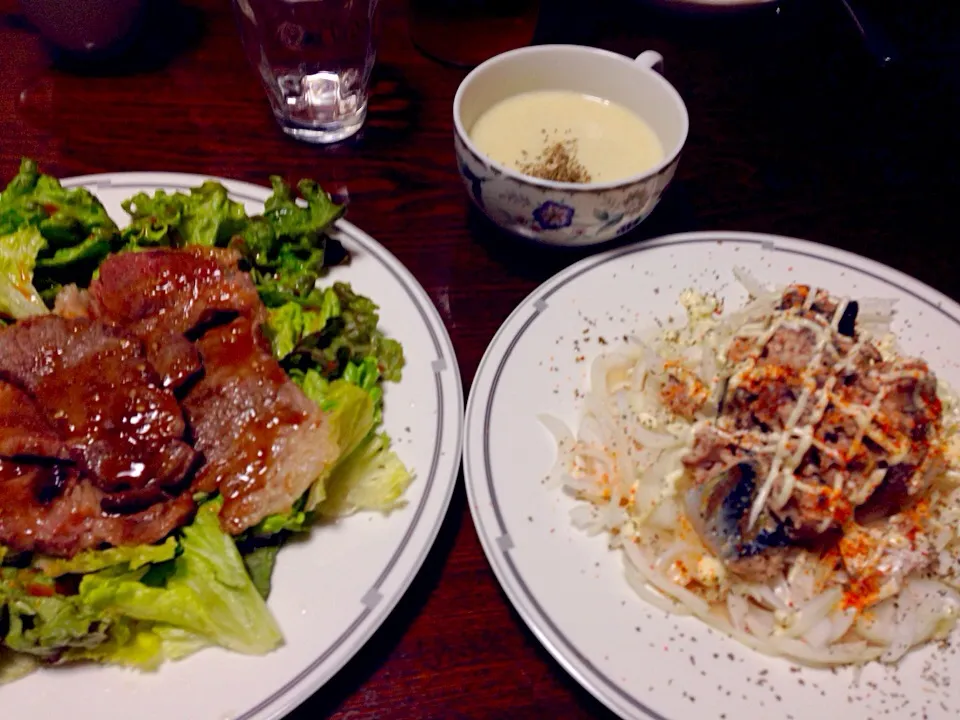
x=793, y=131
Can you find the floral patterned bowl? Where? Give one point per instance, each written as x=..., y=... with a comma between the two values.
x=560, y=213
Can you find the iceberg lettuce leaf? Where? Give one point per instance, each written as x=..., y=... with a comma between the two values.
x=351, y=414
x=207, y=593
x=372, y=477
x=127, y=643
x=133, y=557
x=42, y=622
x=144, y=646
x=18, y=256
x=14, y=665
x=177, y=642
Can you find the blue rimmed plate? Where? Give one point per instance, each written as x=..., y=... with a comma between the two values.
x=570, y=588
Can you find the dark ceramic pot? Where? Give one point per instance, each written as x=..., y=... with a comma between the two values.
x=86, y=27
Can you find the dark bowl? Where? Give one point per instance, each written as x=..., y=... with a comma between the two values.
x=85, y=27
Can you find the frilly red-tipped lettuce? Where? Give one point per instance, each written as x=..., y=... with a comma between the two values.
x=287, y=247
x=205, y=216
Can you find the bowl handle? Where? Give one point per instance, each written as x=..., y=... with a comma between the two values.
x=651, y=59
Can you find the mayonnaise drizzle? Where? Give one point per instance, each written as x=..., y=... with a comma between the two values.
x=816, y=400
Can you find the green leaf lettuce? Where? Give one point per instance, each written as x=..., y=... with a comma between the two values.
x=288, y=324
x=49, y=236
x=205, y=216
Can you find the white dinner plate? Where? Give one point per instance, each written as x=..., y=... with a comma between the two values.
x=331, y=592
x=570, y=588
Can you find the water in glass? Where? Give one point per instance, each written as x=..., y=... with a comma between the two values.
x=315, y=58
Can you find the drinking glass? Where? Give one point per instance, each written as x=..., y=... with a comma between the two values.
x=314, y=58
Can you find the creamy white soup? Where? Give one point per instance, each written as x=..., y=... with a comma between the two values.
x=567, y=136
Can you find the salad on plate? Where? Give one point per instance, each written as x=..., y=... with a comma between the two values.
x=178, y=398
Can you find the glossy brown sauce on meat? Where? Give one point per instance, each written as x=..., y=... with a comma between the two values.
x=164, y=295
x=95, y=449
x=96, y=389
x=263, y=440
x=48, y=504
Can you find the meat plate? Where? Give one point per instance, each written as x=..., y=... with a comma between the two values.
x=332, y=591
x=570, y=586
